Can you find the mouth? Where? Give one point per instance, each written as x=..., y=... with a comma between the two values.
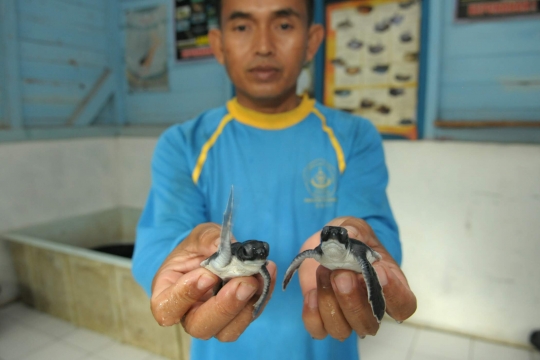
x=264, y=73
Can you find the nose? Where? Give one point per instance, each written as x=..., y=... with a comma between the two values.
x=264, y=42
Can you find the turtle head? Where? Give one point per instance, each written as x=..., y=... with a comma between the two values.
x=335, y=233
x=252, y=250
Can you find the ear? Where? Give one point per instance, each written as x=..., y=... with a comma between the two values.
x=216, y=43
x=315, y=38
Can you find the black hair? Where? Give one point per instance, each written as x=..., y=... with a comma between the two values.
x=309, y=3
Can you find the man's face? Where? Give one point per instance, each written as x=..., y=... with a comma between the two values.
x=264, y=44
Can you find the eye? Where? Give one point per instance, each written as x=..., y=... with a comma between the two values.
x=285, y=26
x=240, y=28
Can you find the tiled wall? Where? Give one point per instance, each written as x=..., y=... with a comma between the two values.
x=48, y=180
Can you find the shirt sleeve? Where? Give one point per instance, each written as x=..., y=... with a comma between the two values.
x=362, y=188
x=174, y=207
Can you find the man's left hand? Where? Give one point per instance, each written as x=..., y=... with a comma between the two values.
x=336, y=302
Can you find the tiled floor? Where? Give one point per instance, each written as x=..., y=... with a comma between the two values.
x=26, y=334
x=404, y=342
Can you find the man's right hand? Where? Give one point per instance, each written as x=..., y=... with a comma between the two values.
x=182, y=290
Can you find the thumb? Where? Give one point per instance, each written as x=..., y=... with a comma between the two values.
x=203, y=239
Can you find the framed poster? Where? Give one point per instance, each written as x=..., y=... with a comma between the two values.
x=371, y=64
x=494, y=9
x=193, y=19
x=145, y=55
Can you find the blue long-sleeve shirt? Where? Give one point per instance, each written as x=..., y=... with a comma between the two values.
x=292, y=173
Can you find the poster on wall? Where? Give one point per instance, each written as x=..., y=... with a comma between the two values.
x=193, y=19
x=371, y=64
x=146, y=49
x=490, y=9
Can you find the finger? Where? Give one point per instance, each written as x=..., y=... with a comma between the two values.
x=351, y=294
x=400, y=300
x=311, y=316
x=208, y=319
x=169, y=306
x=334, y=321
x=235, y=328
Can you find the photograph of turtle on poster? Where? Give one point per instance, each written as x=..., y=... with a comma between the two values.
x=371, y=65
x=193, y=19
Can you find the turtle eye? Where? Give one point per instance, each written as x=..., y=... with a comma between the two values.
x=324, y=232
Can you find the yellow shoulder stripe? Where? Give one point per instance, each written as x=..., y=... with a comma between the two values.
x=207, y=146
x=333, y=140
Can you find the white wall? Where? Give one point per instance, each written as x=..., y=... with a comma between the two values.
x=135, y=154
x=470, y=223
x=48, y=180
x=468, y=213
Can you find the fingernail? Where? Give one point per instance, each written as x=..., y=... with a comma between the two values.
x=313, y=302
x=245, y=291
x=381, y=274
x=344, y=283
x=205, y=281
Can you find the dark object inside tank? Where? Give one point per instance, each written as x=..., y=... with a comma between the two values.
x=123, y=250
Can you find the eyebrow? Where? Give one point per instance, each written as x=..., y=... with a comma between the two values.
x=287, y=12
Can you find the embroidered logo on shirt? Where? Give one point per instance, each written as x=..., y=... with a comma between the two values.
x=320, y=181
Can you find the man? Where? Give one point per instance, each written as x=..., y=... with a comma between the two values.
x=295, y=166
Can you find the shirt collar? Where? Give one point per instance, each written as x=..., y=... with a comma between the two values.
x=271, y=121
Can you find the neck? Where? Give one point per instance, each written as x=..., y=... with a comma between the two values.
x=280, y=104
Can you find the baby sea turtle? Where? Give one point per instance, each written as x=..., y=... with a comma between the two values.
x=239, y=259
x=338, y=251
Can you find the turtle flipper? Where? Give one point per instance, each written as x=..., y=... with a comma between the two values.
x=297, y=261
x=374, y=290
x=221, y=258
x=224, y=250
x=266, y=289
